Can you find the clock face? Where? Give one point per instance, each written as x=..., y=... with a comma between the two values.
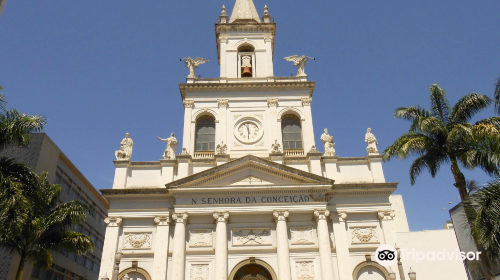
x=248, y=131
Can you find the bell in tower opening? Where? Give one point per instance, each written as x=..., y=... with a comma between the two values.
x=246, y=66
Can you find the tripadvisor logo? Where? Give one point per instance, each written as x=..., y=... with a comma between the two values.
x=386, y=255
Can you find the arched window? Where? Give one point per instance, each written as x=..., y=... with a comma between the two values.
x=246, y=58
x=205, y=134
x=291, y=132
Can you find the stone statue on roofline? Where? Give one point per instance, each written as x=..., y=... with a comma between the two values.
x=221, y=149
x=171, y=149
x=125, y=152
x=327, y=140
x=191, y=64
x=300, y=62
x=371, y=142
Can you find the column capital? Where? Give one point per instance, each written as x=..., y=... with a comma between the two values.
x=386, y=215
x=306, y=101
x=272, y=102
x=113, y=221
x=223, y=103
x=340, y=216
x=280, y=215
x=321, y=214
x=188, y=103
x=221, y=217
x=162, y=220
x=180, y=217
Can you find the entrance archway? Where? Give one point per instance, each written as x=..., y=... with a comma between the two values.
x=253, y=270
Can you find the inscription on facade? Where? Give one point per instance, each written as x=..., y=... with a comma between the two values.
x=251, y=236
x=200, y=238
x=302, y=235
x=257, y=199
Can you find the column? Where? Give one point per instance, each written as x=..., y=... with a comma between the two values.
x=161, y=248
x=186, y=138
x=342, y=246
x=110, y=245
x=179, y=253
x=282, y=245
x=325, y=249
x=221, y=218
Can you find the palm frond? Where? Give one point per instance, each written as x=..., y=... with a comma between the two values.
x=486, y=225
x=41, y=257
x=15, y=128
x=497, y=96
x=410, y=143
x=490, y=121
x=65, y=216
x=440, y=107
x=483, y=157
x=3, y=101
x=412, y=114
x=468, y=106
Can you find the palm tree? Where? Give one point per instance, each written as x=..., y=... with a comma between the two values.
x=486, y=225
x=32, y=223
x=497, y=96
x=443, y=135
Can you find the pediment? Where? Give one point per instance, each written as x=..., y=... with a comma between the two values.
x=250, y=171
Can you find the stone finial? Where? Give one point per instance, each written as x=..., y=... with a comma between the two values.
x=314, y=150
x=221, y=149
x=184, y=152
x=276, y=148
x=371, y=142
x=126, y=146
x=327, y=139
x=266, y=17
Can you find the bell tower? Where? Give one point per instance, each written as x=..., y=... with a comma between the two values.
x=245, y=42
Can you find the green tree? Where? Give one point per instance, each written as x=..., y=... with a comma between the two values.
x=497, y=96
x=486, y=225
x=443, y=135
x=31, y=221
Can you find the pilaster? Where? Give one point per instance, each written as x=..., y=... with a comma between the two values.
x=325, y=249
x=387, y=224
x=314, y=158
x=342, y=245
x=184, y=160
x=167, y=170
x=278, y=157
x=307, y=127
x=113, y=225
x=330, y=167
x=221, y=159
x=375, y=162
x=161, y=247
x=188, y=114
x=222, y=125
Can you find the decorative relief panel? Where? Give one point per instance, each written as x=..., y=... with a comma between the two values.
x=200, y=238
x=137, y=240
x=364, y=235
x=302, y=235
x=200, y=272
x=304, y=270
x=251, y=236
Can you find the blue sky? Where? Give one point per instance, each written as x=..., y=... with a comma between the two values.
x=98, y=69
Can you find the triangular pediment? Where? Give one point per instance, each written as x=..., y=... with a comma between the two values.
x=250, y=171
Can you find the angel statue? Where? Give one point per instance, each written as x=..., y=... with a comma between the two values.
x=371, y=141
x=193, y=63
x=125, y=152
x=171, y=149
x=221, y=148
x=299, y=61
x=276, y=148
x=328, y=141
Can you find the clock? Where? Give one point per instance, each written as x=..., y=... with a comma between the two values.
x=248, y=131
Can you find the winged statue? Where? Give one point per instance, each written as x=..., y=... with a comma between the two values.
x=191, y=64
x=299, y=61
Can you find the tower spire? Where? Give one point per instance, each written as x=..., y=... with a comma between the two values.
x=244, y=11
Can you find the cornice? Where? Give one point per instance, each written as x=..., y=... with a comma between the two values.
x=111, y=192
x=245, y=86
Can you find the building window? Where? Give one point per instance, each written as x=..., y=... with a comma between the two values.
x=205, y=134
x=291, y=132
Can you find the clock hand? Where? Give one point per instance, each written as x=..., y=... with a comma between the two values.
x=248, y=129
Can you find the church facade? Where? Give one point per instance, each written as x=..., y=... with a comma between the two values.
x=249, y=195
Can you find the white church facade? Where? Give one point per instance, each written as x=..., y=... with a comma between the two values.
x=249, y=196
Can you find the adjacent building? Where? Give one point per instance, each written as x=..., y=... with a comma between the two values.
x=43, y=155
x=250, y=196
x=2, y=5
